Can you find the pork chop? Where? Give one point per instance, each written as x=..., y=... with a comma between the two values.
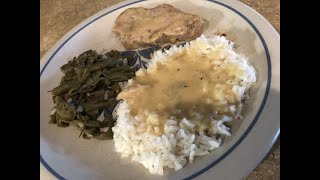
x=141, y=27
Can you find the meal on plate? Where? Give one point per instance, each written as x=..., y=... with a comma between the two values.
x=164, y=115
x=141, y=27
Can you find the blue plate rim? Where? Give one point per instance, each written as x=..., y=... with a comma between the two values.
x=52, y=171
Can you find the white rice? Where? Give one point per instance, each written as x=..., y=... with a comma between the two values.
x=179, y=144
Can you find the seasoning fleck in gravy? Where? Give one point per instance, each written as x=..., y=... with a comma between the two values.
x=188, y=84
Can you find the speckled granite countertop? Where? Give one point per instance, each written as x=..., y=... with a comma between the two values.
x=57, y=17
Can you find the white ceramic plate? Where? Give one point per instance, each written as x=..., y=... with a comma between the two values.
x=64, y=156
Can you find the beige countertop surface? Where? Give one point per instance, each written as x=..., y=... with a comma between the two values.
x=57, y=17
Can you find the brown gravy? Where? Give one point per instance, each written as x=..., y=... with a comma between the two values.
x=186, y=85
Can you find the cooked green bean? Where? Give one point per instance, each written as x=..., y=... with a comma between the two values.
x=67, y=68
x=84, y=77
x=90, y=61
x=103, y=105
x=81, y=60
x=60, y=122
x=59, y=90
x=88, y=88
x=82, y=130
x=117, y=77
x=84, y=136
x=111, y=93
x=116, y=88
x=91, y=132
x=96, y=96
x=93, y=124
x=53, y=119
x=96, y=93
x=59, y=100
x=106, y=135
x=83, y=118
x=75, y=98
x=80, y=98
x=75, y=123
x=100, y=65
x=96, y=74
x=63, y=88
x=92, y=53
x=93, y=115
x=106, y=82
x=70, y=77
x=65, y=112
